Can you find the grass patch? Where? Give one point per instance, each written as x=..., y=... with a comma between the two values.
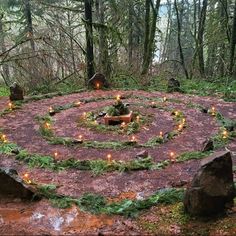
x=4, y=91
x=192, y=155
x=98, y=204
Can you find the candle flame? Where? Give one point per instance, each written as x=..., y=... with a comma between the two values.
x=10, y=105
x=118, y=97
x=109, y=157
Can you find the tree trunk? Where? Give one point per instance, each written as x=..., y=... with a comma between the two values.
x=6, y=72
x=147, y=32
x=151, y=39
x=29, y=25
x=233, y=43
x=179, y=41
x=104, y=65
x=201, y=29
x=130, y=37
x=89, y=38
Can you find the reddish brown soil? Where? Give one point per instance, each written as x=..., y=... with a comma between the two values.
x=21, y=127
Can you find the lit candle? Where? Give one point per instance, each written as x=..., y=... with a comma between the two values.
x=133, y=139
x=26, y=178
x=172, y=157
x=109, y=158
x=84, y=115
x=176, y=113
x=225, y=134
x=51, y=111
x=55, y=154
x=183, y=120
x=97, y=86
x=10, y=106
x=118, y=97
x=80, y=138
x=161, y=134
x=153, y=104
x=4, y=138
x=164, y=99
x=213, y=111
x=180, y=127
x=47, y=125
x=78, y=103
x=138, y=119
x=123, y=124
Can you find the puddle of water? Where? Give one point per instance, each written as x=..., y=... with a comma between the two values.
x=40, y=216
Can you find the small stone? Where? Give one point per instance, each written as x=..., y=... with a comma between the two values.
x=98, y=81
x=142, y=154
x=101, y=114
x=52, y=113
x=173, y=85
x=178, y=184
x=16, y=92
x=208, y=145
x=15, y=151
x=204, y=110
x=212, y=188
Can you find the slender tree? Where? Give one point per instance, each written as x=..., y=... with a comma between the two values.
x=179, y=23
x=233, y=42
x=89, y=38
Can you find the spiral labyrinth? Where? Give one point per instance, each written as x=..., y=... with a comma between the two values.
x=168, y=128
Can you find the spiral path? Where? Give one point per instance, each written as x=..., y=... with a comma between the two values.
x=21, y=127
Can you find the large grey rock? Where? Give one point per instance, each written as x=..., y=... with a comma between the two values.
x=12, y=186
x=16, y=92
x=100, y=79
x=212, y=188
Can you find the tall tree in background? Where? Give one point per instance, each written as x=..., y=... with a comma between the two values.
x=89, y=38
x=29, y=24
x=5, y=69
x=103, y=57
x=200, y=43
x=233, y=42
x=179, y=28
x=150, y=32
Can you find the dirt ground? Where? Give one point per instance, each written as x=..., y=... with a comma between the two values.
x=41, y=218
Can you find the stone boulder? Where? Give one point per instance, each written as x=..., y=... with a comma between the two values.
x=212, y=188
x=98, y=79
x=12, y=186
x=16, y=92
x=173, y=85
x=208, y=145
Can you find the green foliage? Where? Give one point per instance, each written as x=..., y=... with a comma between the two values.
x=132, y=127
x=7, y=148
x=154, y=141
x=192, y=155
x=131, y=208
x=4, y=91
x=36, y=160
x=92, y=202
x=97, y=204
x=62, y=202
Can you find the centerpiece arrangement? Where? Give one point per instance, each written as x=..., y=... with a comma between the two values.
x=118, y=113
